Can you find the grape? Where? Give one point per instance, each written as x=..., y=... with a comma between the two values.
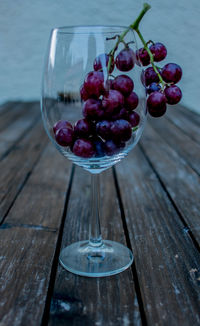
x=101, y=61
x=159, y=51
x=84, y=94
x=84, y=148
x=111, y=101
x=150, y=76
x=173, y=94
x=99, y=146
x=122, y=114
x=121, y=130
x=156, y=104
x=125, y=60
x=111, y=148
x=94, y=83
x=153, y=87
x=131, y=102
x=123, y=84
x=171, y=73
x=64, y=136
x=143, y=56
x=83, y=128
x=92, y=109
x=103, y=129
x=61, y=124
x=134, y=118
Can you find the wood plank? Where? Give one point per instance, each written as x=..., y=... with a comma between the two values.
x=186, y=148
x=186, y=120
x=192, y=115
x=16, y=111
x=40, y=201
x=6, y=106
x=93, y=301
x=15, y=131
x=25, y=263
x=181, y=182
x=28, y=241
x=17, y=166
x=167, y=262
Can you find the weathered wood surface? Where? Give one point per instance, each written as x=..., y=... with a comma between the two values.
x=150, y=201
x=105, y=301
x=163, y=250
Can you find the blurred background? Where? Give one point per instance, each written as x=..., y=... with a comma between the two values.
x=25, y=26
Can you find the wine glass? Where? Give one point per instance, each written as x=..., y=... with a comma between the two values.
x=93, y=109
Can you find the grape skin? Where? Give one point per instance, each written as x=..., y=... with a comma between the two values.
x=173, y=94
x=171, y=73
x=156, y=104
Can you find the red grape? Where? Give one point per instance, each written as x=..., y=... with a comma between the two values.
x=112, y=101
x=61, y=124
x=171, y=73
x=143, y=56
x=159, y=51
x=173, y=94
x=134, y=118
x=121, y=130
x=122, y=114
x=111, y=148
x=150, y=76
x=84, y=94
x=64, y=136
x=125, y=59
x=92, y=109
x=84, y=148
x=123, y=84
x=156, y=104
x=83, y=128
x=131, y=102
x=94, y=83
x=101, y=61
x=103, y=129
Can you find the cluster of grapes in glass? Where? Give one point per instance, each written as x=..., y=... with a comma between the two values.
x=161, y=91
x=108, y=108
x=109, y=116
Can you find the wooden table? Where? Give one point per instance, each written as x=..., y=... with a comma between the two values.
x=150, y=201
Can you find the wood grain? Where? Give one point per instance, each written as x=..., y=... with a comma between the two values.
x=18, y=127
x=25, y=263
x=180, y=181
x=12, y=113
x=28, y=241
x=101, y=301
x=7, y=106
x=41, y=200
x=17, y=166
x=187, y=148
x=167, y=262
x=186, y=120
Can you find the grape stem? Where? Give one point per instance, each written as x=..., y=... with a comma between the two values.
x=135, y=27
x=151, y=57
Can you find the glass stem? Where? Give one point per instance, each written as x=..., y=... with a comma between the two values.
x=95, y=238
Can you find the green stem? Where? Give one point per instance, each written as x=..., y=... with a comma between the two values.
x=146, y=7
x=136, y=23
x=151, y=56
x=135, y=27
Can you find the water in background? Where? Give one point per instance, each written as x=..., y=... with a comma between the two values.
x=25, y=27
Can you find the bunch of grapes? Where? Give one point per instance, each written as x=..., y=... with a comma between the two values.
x=160, y=83
x=109, y=116
x=108, y=110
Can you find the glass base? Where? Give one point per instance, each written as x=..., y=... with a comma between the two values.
x=84, y=259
